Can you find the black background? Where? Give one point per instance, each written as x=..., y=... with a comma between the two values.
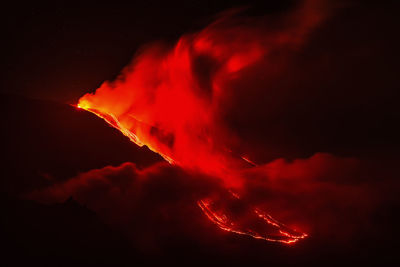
x=54, y=52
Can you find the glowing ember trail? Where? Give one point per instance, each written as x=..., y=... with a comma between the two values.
x=172, y=100
x=256, y=223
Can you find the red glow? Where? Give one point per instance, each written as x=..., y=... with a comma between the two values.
x=256, y=223
x=172, y=99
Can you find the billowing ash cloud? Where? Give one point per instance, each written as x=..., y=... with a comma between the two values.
x=176, y=99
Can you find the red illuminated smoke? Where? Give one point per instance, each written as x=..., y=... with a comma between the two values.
x=173, y=99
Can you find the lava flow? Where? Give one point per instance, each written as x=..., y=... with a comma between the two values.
x=173, y=101
x=256, y=223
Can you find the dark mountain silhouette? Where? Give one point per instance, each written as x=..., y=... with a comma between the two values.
x=44, y=142
x=32, y=232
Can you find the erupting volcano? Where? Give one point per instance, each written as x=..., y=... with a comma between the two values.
x=231, y=133
x=174, y=100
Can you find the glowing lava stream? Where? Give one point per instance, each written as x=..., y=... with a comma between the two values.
x=113, y=121
x=283, y=234
x=222, y=221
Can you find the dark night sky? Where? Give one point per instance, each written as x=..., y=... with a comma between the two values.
x=60, y=50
